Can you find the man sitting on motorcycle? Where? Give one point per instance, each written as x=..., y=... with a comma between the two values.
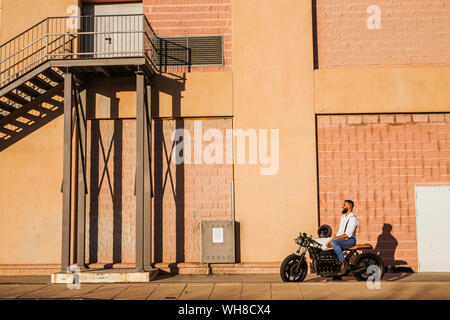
x=346, y=236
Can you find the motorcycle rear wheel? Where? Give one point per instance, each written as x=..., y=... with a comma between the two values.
x=366, y=260
x=289, y=271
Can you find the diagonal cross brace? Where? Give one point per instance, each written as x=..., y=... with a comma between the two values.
x=149, y=137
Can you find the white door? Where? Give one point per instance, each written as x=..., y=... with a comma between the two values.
x=433, y=228
x=119, y=30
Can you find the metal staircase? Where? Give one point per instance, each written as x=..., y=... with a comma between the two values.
x=32, y=64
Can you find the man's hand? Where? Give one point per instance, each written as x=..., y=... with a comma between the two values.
x=344, y=236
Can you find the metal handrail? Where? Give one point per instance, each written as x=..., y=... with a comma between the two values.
x=92, y=37
x=22, y=33
x=50, y=53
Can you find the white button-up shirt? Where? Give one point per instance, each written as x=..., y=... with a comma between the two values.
x=350, y=230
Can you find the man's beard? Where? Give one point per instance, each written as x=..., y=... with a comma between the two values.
x=344, y=211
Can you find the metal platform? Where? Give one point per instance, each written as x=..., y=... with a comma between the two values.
x=32, y=64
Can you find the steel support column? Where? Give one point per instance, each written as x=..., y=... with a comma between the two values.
x=140, y=121
x=67, y=173
x=147, y=183
x=81, y=177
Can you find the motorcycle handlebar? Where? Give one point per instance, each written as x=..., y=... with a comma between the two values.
x=303, y=236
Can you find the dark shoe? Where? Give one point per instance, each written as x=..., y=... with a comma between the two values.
x=336, y=278
x=344, y=269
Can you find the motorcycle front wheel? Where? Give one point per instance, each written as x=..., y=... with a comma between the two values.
x=365, y=264
x=292, y=270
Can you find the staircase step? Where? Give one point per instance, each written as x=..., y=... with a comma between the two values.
x=7, y=131
x=56, y=103
x=53, y=75
x=16, y=98
x=41, y=109
x=18, y=124
x=32, y=117
x=41, y=83
x=7, y=107
x=29, y=91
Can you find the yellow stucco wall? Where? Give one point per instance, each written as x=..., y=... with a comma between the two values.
x=31, y=169
x=17, y=16
x=202, y=94
x=111, y=98
x=1, y=18
x=30, y=197
x=273, y=89
x=400, y=89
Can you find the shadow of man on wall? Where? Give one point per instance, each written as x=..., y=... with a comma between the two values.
x=386, y=246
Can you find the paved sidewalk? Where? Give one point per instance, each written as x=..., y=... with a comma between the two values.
x=418, y=286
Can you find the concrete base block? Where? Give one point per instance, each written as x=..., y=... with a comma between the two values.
x=104, y=276
x=63, y=278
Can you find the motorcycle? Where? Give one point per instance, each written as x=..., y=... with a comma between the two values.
x=325, y=262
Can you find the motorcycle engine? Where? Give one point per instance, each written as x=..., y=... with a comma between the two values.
x=327, y=263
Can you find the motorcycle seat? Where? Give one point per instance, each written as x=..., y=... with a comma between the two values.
x=360, y=246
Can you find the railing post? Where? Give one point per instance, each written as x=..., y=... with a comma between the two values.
x=165, y=56
x=142, y=42
x=189, y=59
x=160, y=54
x=46, y=38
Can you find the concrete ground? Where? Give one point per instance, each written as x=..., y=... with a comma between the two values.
x=394, y=286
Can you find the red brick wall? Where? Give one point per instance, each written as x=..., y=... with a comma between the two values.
x=193, y=17
x=186, y=194
x=111, y=203
x=413, y=32
x=183, y=195
x=376, y=160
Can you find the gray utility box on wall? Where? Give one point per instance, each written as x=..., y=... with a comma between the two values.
x=218, y=242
